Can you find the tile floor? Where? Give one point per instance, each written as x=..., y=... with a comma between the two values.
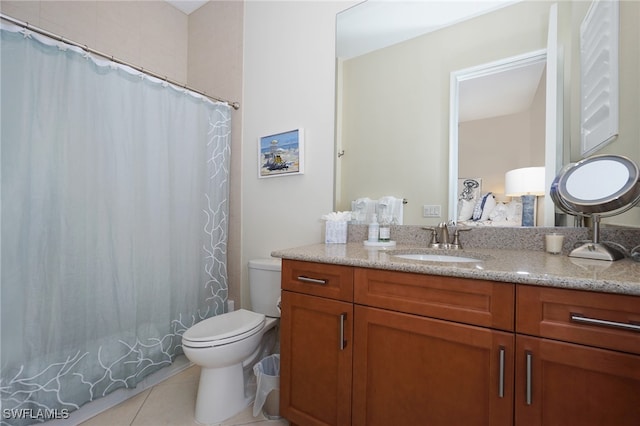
x=171, y=402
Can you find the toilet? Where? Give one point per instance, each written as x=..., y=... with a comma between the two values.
x=225, y=344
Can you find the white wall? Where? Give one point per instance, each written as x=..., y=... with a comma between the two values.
x=289, y=82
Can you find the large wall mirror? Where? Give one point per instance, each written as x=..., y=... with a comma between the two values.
x=394, y=134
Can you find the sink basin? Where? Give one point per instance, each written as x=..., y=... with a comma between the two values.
x=436, y=258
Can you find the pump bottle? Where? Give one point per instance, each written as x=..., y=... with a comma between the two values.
x=374, y=230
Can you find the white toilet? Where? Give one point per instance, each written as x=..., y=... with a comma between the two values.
x=223, y=345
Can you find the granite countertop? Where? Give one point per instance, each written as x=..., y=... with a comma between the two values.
x=514, y=266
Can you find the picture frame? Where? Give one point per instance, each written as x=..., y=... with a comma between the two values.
x=469, y=193
x=281, y=154
x=470, y=189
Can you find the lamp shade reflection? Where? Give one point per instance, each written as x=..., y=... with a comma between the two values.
x=527, y=182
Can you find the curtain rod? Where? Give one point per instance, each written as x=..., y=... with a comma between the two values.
x=234, y=105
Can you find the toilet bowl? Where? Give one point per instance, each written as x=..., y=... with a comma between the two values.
x=224, y=344
x=220, y=345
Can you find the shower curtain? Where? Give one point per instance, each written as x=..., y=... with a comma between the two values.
x=114, y=207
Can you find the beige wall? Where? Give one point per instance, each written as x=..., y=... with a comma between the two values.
x=490, y=147
x=215, y=66
x=150, y=34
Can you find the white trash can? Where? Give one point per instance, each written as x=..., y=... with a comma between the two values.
x=267, y=373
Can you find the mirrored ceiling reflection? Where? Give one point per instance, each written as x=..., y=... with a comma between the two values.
x=373, y=25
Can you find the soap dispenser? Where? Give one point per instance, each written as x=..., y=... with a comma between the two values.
x=385, y=229
x=374, y=230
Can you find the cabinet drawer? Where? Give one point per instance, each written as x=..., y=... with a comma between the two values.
x=318, y=279
x=475, y=302
x=603, y=320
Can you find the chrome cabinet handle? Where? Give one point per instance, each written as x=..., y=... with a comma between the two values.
x=529, y=356
x=311, y=280
x=501, y=373
x=343, y=342
x=579, y=318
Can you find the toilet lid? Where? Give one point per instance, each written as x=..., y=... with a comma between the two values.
x=225, y=327
x=271, y=264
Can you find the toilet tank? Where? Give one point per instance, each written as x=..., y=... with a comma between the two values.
x=264, y=285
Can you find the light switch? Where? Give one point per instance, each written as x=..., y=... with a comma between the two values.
x=431, y=210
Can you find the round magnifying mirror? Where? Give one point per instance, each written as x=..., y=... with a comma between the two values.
x=599, y=184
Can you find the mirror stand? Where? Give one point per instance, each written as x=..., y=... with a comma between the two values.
x=595, y=249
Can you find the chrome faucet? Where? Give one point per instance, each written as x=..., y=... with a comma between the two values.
x=444, y=234
x=440, y=238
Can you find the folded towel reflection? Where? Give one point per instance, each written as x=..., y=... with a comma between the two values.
x=363, y=209
x=388, y=208
x=391, y=209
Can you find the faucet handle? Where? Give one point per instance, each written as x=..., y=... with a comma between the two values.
x=434, y=235
x=456, y=238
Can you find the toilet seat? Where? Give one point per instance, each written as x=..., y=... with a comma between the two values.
x=223, y=329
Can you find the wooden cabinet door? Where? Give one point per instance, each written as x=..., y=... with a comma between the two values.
x=560, y=383
x=315, y=360
x=411, y=370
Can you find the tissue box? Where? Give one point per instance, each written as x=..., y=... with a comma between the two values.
x=335, y=232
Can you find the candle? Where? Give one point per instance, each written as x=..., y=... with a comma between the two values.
x=553, y=243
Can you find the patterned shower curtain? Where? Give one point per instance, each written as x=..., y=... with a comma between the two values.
x=114, y=207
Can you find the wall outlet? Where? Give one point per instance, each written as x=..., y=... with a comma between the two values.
x=231, y=305
x=431, y=211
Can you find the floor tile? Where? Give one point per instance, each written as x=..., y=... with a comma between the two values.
x=120, y=415
x=244, y=418
x=171, y=403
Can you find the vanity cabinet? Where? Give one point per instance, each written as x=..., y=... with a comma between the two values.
x=577, y=358
x=375, y=347
x=316, y=351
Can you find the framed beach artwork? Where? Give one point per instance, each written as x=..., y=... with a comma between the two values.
x=281, y=154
